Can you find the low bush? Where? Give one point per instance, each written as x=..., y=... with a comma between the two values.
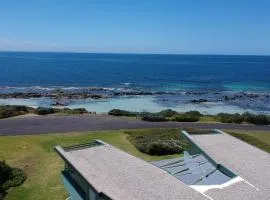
x=163, y=147
x=167, y=113
x=13, y=110
x=118, y=112
x=5, y=172
x=194, y=113
x=79, y=111
x=158, y=141
x=9, y=177
x=150, y=117
x=186, y=118
x=45, y=111
x=246, y=117
x=16, y=179
x=164, y=115
x=256, y=119
x=229, y=118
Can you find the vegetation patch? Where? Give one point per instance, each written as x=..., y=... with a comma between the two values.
x=255, y=141
x=9, y=177
x=11, y=111
x=245, y=117
x=16, y=110
x=164, y=115
x=185, y=118
x=194, y=116
x=118, y=112
x=158, y=141
x=153, y=117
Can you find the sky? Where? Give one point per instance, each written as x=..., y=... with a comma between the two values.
x=141, y=26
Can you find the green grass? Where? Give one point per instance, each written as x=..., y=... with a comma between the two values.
x=208, y=119
x=35, y=155
x=260, y=139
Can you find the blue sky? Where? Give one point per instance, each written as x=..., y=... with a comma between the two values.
x=127, y=26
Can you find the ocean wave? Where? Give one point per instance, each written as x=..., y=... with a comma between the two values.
x=128, y=89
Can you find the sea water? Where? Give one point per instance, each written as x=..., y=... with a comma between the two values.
x=200, y=76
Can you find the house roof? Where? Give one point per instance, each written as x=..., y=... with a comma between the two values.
x=248, y=162
x=122, y=176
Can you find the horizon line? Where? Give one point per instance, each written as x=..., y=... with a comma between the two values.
x=134, y=53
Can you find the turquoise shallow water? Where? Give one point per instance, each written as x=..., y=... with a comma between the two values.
x=143, y=103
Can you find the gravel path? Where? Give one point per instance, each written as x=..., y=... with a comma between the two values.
x=77, y=123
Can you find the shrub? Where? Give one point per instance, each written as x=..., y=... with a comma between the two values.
x=229, y=118
x=118, y=112
x=163, y=147
x=256, y=119
x=194, y=113
x=167, y=113
x=5, y=172
x=66, y=110
x=186, y=118
x=157, y=141
x=153, y=117
x=246, y=117
x=45, y=111
x=9, y=177
x=17, y=178
x=13, y=110
x=79, y=111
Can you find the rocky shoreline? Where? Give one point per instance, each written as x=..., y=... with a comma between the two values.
x=79, y=95
x=66, y=97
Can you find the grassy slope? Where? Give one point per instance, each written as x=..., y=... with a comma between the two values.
x=36, y=156
x=260, y=139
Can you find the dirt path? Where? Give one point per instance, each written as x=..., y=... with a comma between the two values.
x=79, y=123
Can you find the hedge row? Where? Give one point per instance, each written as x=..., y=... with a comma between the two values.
x=246, y=117
x=165, y=115
x=193, y=116
x=15, y=110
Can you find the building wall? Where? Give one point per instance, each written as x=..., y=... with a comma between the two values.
x=78, y=183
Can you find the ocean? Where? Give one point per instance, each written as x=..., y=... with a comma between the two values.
x=208, y=83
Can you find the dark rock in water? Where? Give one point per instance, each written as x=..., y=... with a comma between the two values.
x=252, y=96
x=168, y=93
x=58, y=95
x=60, y=103
x=21, y=95
x=241, y=96
x=199, y=101
x=227, y=98
x=196, y=93
x=98, y=96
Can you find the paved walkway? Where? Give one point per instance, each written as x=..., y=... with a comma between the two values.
x=79, y=123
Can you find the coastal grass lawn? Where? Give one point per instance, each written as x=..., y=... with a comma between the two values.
x=36, y=156
x=260, y=139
